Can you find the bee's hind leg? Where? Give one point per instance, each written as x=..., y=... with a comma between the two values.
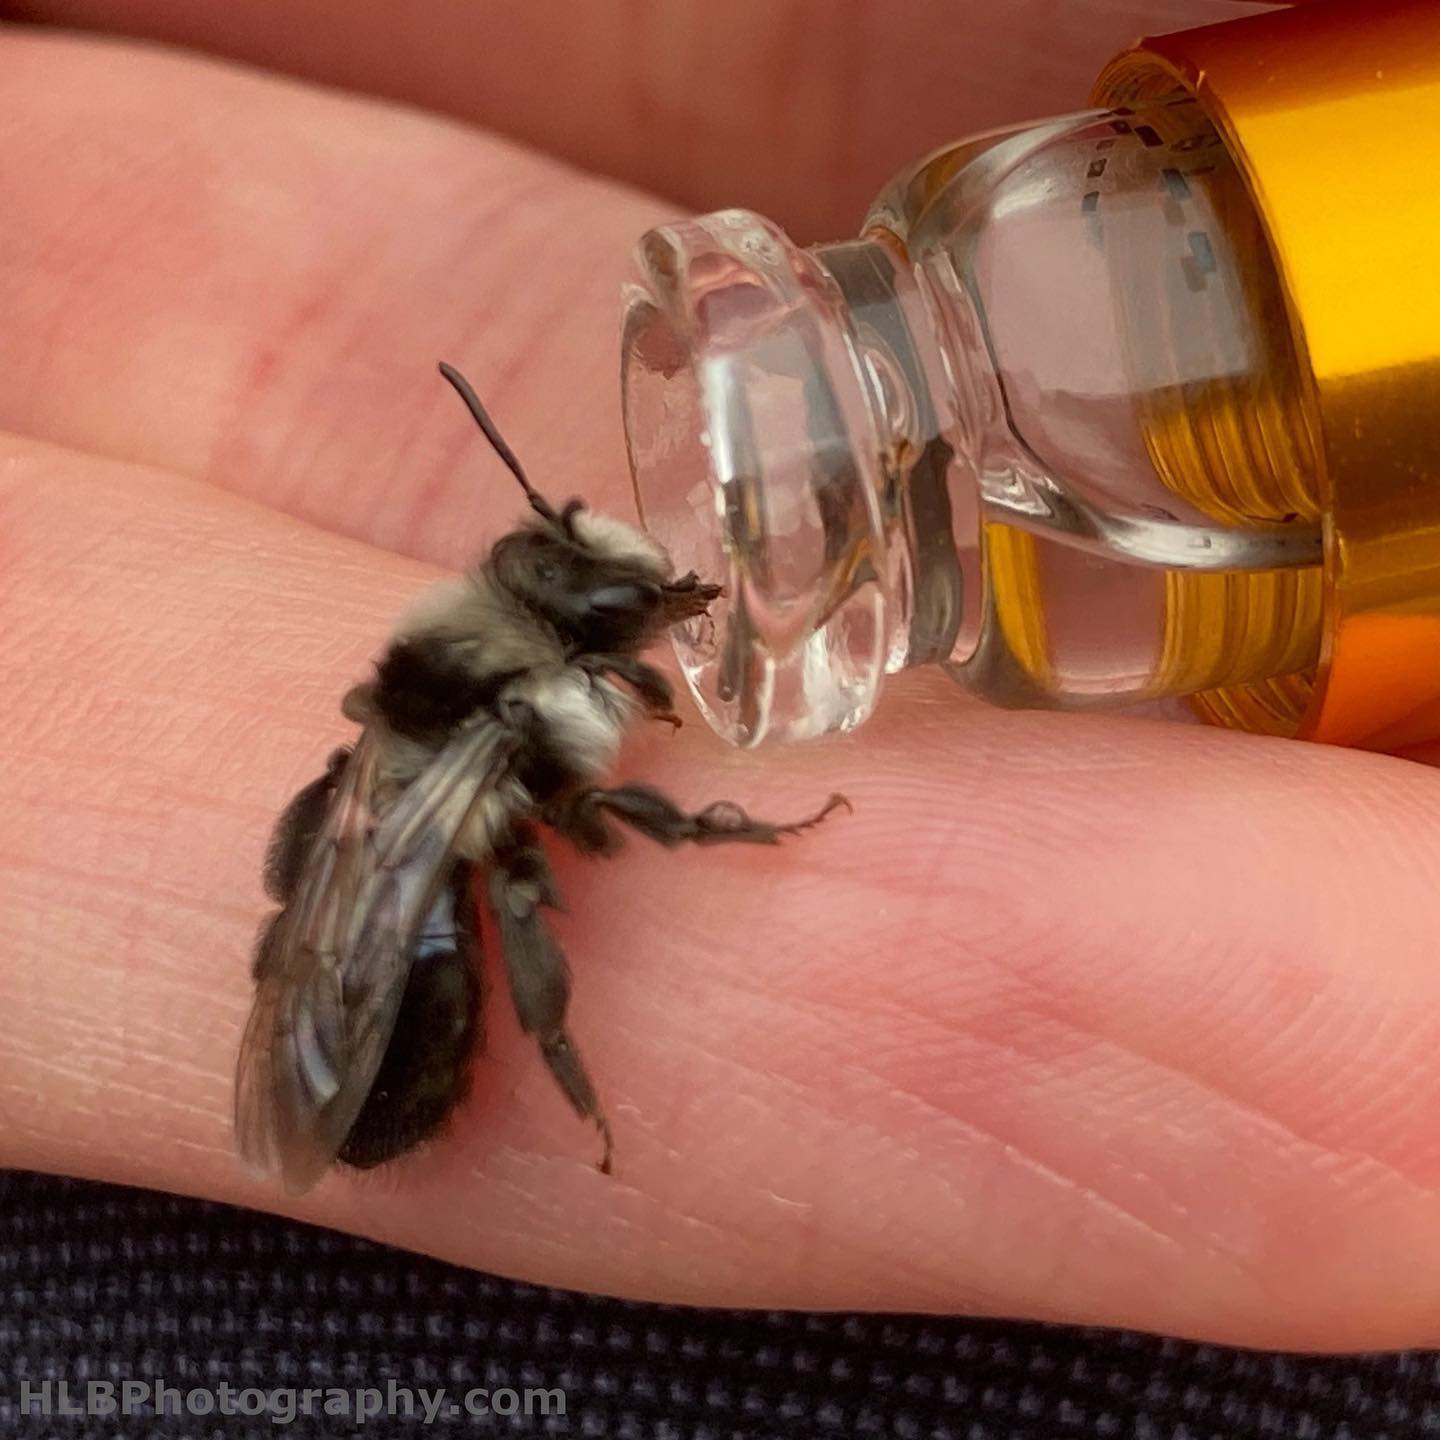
x=652, y=813
x=521, y=886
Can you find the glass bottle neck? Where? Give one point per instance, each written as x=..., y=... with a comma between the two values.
x=1028, y=590
x=939, y=405
x=923, y=409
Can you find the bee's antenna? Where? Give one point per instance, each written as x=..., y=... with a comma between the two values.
x=538, y=502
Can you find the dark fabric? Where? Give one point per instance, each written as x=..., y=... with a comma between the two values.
x=98, y=1282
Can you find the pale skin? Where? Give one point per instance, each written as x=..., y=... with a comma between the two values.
x=1102, y=1020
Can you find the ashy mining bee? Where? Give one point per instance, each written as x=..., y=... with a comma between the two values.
x=497, y=707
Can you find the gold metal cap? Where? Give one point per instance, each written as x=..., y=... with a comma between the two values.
x=1331, y=110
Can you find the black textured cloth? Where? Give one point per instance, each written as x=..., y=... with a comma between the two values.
x=108, y=1284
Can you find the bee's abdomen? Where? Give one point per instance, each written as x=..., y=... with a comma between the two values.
x=426, y=1070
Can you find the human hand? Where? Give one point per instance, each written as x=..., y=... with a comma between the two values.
x=1086, y=1019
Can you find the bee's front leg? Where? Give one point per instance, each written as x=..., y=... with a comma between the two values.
x=652, y=688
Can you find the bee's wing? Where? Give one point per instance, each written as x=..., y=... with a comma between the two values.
x=326, y=1001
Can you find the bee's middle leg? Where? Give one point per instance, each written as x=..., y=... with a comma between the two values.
x=583, y=820
x=521, y=887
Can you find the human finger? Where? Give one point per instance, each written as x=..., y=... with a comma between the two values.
x=250, y=281
x=800, y=109
x=1089, y=1020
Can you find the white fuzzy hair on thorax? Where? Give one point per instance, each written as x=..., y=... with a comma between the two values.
x=615, y=540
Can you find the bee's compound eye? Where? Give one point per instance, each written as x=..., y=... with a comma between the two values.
x=622, y=599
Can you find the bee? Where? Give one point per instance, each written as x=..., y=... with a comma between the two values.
x=497, y=708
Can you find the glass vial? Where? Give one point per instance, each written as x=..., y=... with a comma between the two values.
x=1041, y=425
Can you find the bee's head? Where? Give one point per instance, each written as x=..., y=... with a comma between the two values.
x=604, y=586
x=601, y=583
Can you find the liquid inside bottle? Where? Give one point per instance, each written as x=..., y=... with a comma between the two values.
x=1042, y=425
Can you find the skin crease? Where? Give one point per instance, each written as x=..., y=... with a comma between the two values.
x=1086, y=1019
